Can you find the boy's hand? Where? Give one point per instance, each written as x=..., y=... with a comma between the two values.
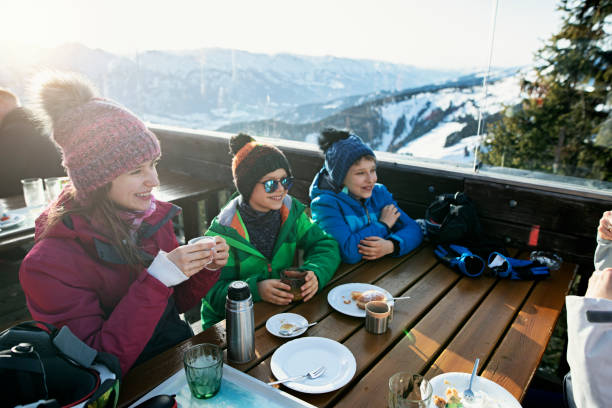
x=274, y=291
x=309, y=289
x=375, y=247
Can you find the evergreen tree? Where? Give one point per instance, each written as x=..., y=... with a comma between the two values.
x=563, y=124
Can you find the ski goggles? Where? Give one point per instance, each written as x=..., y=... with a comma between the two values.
x=271, y=185
x=460, y=259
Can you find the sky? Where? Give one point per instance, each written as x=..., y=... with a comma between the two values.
x=432, y=33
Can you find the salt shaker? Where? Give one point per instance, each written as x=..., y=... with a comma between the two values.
x=239, y=323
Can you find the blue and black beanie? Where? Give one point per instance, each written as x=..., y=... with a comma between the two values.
x=342, y=149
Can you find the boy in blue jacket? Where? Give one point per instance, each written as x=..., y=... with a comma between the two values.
x=349, y=205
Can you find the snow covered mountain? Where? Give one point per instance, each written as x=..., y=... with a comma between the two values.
x=433, y=121
x=209, y=88
x=395, y=108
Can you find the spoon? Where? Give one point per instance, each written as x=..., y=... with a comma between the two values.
x=468, y=394
x=291, y=330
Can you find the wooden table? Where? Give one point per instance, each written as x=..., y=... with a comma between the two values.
x=449, y=321
x=178, y=188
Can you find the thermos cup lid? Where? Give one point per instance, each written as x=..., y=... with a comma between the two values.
x=238, y=290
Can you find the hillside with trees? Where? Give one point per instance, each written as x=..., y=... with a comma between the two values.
x=563, y=124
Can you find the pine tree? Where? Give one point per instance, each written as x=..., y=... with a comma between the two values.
x=563, y=123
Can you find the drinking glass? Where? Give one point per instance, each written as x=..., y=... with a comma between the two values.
x=407, y=390
x=33, y=192
x=295, y=278
x=54, y=186
x=204, y=369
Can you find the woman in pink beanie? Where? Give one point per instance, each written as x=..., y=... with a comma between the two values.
x=106, y=262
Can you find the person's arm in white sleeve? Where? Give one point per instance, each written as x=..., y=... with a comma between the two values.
x=589, y=349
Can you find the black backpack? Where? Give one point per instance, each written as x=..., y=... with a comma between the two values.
x=452, y=218
x=41, y=363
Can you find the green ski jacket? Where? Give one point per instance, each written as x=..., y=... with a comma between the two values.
x=246, y=263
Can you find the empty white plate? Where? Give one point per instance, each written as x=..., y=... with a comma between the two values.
x=305, y=354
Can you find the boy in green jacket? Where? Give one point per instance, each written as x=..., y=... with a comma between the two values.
x=264, y=228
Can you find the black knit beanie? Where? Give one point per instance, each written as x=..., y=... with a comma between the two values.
x=253, y=160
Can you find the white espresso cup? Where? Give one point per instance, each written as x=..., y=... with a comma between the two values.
x=205, y=238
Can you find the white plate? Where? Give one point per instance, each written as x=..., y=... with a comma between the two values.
x=461, y=381
x=274, y=323
x=13, y=221
x=302, y=355
x=338, y=295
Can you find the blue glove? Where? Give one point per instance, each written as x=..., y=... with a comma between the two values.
x=517, y=269
x=460, y=259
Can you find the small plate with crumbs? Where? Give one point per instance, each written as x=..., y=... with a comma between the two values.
x=286, y=321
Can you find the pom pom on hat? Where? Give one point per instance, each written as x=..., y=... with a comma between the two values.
x=57, y=93
x=238, y=141
x=253, y=160
x=99, y=139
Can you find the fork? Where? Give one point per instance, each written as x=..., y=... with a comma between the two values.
x=469, y=394
x=311, y=374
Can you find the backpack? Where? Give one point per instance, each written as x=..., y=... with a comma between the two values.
x=452, y=218
x=44, y=366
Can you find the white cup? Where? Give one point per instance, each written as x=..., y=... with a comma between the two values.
x=33, y=192
x=204, y=239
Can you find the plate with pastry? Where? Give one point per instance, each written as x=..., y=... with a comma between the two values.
x=351, y=298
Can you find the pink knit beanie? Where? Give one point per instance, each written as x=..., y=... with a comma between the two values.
x=99, y=139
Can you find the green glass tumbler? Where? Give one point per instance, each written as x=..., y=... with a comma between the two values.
x=203, y=369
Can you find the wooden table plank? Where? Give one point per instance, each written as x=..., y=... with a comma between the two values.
x=481, y=333
x=418, y=346
x=529, y=334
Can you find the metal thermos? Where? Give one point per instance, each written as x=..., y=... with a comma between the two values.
x=239, y=323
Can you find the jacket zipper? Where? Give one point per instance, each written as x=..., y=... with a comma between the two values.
x=367, y=212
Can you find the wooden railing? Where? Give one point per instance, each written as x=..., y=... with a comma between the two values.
x=510, y=208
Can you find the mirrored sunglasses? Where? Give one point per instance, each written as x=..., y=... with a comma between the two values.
x=272, y=185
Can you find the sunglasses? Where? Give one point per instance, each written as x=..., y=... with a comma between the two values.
x=272, y=185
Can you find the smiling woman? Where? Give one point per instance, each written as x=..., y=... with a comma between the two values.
x=106, y=262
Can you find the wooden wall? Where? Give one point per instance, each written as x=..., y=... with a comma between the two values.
x=508, y=208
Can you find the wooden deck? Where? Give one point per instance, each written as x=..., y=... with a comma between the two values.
x=448, y=322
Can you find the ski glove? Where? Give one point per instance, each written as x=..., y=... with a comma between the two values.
x=517, y=269
x=460, y=259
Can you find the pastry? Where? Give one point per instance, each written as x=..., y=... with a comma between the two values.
x=362, y=298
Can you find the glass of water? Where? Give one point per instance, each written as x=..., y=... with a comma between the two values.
x=33, y=192
x=204, y=369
